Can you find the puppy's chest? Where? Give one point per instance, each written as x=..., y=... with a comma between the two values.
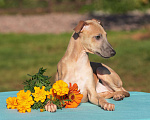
x=81, y=75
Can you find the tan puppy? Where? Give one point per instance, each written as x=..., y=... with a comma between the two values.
x=96, y=81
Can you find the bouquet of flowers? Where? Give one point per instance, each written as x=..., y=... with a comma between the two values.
x=38, y=91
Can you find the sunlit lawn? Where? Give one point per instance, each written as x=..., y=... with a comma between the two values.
x=21, y=54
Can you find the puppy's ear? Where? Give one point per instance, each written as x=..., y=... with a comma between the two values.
x=79, y=27
x=98, y=21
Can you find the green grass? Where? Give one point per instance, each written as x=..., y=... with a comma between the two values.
x=21, y=54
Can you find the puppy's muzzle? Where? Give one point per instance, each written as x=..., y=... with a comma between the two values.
x=106, y=50
x=113, y=52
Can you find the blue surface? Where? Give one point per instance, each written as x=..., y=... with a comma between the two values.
x=135, y=107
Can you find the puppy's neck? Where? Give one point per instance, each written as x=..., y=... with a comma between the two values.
x=75, y=50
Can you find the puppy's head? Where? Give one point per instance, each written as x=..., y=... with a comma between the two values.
x=94, y=38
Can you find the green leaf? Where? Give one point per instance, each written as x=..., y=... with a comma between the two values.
x=67, y=100
x=38, y=80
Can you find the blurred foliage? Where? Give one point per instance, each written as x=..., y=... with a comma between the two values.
x=42, y=6
x=23, y=3
x=25, y=53
x=121, y=6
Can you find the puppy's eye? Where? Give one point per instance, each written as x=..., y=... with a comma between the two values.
x=97, y=37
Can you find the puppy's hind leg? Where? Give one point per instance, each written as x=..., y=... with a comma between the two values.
x=112, y=81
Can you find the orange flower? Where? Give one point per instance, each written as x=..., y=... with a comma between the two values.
x=74, y=95
x=22, y=108
x=51, y=94
x=11, y=102
x=41, y=110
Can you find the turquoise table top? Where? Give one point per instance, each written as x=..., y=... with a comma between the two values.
x=135, y=107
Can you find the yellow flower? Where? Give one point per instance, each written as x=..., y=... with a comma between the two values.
x=24, y=97
x=22, y=108
x=60, y=88
x=11, y=102
x=25, y=101
x=22, y=102
x=39, y=94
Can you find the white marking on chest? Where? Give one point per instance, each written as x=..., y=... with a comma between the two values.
x=80, y=72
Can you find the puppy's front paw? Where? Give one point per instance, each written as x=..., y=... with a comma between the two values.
x=108, y=106
x=50, y=107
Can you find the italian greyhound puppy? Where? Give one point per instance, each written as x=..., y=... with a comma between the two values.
x=96, y=81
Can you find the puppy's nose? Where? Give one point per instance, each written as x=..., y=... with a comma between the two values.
x=113, y=52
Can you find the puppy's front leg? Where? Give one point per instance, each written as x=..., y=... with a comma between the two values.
x=97, y=100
